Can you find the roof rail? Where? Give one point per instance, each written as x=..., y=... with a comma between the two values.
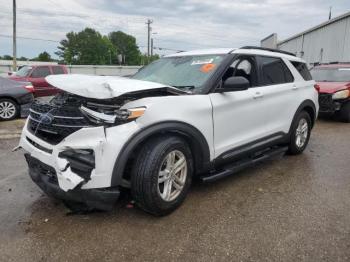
x=268, y=49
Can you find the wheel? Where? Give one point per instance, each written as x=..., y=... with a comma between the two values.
x=8, y=109
x=162, y=175
x=344, y=113
x=300, y=133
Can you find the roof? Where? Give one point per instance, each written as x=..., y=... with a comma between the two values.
x=333, y=66
x=222, y=51
x=213, y=51
x=346, y=15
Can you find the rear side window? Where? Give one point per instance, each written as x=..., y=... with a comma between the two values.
x=302, y=69
x=57, y=70
x=274, y=71
x=41, y=71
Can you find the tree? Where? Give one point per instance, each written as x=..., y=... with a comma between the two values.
x=44, y=57
x=145, y=60
x=86, y=47
x=7, y=57
x=125, y=45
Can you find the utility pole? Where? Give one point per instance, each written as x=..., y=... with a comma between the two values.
x=148, y=23
x=14, y=48
x=330, y=13
x=151, y=47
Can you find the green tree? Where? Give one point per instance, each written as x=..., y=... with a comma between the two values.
x=44, y=57
x=145, y=60
x=7, y=57
x=125, y=45
x=86, y=47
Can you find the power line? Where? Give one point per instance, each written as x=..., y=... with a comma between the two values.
x=31, y=38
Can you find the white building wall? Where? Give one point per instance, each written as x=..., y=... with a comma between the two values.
x=328, y=43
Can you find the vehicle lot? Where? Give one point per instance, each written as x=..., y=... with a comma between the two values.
x=289, y=209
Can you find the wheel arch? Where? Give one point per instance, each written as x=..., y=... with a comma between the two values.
x=195, y=139
x=308, y=106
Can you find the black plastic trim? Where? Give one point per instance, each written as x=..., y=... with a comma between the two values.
x=198, y=144
x=251, y=147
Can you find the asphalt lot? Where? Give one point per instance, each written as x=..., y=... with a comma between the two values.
x=286, y=209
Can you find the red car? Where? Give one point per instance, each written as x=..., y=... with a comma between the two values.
x=334, y=89
x=36, y=75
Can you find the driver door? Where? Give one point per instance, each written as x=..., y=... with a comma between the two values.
x=238, y=116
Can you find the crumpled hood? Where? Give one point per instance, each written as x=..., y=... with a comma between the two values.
x=101, y=87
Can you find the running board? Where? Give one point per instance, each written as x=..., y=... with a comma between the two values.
x=240, y=165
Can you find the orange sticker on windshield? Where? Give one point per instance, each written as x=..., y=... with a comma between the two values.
x=207, y=68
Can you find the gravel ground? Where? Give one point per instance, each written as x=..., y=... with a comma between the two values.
x=294, y=208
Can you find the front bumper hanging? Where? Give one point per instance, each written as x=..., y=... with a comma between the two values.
x=45, y=177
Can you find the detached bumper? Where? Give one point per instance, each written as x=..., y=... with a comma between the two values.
x=45, y=177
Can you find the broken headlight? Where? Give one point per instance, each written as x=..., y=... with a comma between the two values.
x=113, y=117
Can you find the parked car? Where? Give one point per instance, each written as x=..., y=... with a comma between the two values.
x=36, y=75
x=334, y=87
x=204, y=114
x=15, y=98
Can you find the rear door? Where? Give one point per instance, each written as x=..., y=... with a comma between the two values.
x=277, y=89
x=37, y=78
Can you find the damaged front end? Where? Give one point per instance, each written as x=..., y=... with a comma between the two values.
x=72, y=143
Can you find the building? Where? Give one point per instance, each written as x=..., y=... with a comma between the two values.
x=326, y=43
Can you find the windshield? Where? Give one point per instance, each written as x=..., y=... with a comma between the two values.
x=331, y=74
x=186, y=72
x=24, y=71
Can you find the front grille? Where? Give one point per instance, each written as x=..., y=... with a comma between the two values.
x=53, y=123
x=326, y=103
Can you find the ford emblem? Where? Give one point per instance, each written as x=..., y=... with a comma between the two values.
x=46, y=118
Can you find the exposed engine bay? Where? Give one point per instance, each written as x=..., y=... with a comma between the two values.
x=66, y=113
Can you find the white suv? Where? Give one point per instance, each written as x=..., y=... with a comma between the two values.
x=204, y=114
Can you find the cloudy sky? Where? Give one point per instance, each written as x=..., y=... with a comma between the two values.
x=177, y=24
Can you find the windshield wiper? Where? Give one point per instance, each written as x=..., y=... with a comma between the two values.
x=187, y=87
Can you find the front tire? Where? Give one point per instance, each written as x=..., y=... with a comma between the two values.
x=344, y=113
x=300, y=133
x=8, y=109
x=162, y=175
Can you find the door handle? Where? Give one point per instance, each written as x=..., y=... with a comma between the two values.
x=295, y=87
x=258, y=95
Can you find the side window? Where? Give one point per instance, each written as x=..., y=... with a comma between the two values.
x=244, y=67
x=41, y=71
x=274, y=71
x=57, y=70
x=302, y=69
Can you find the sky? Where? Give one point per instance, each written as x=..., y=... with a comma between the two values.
x=177, y=24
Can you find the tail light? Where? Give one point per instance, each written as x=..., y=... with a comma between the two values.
x=317, y=87
x=29, y=88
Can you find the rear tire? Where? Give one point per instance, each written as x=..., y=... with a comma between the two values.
x=9, y=109
x=162, y=175
x=300, y=133
x=344, y=113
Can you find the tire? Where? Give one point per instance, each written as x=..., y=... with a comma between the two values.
x=151, y=176
x=298, y=141
x=9, y=109
x=344, y=113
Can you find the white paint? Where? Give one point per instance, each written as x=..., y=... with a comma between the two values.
x=100, y=87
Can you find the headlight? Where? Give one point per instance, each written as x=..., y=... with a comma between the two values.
x=341, y=94
x=121, y=115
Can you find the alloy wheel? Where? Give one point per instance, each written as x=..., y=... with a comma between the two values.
x=7, y=110
x=301, y=133
x=172, y=175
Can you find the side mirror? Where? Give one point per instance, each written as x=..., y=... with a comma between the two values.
x=234, y=83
